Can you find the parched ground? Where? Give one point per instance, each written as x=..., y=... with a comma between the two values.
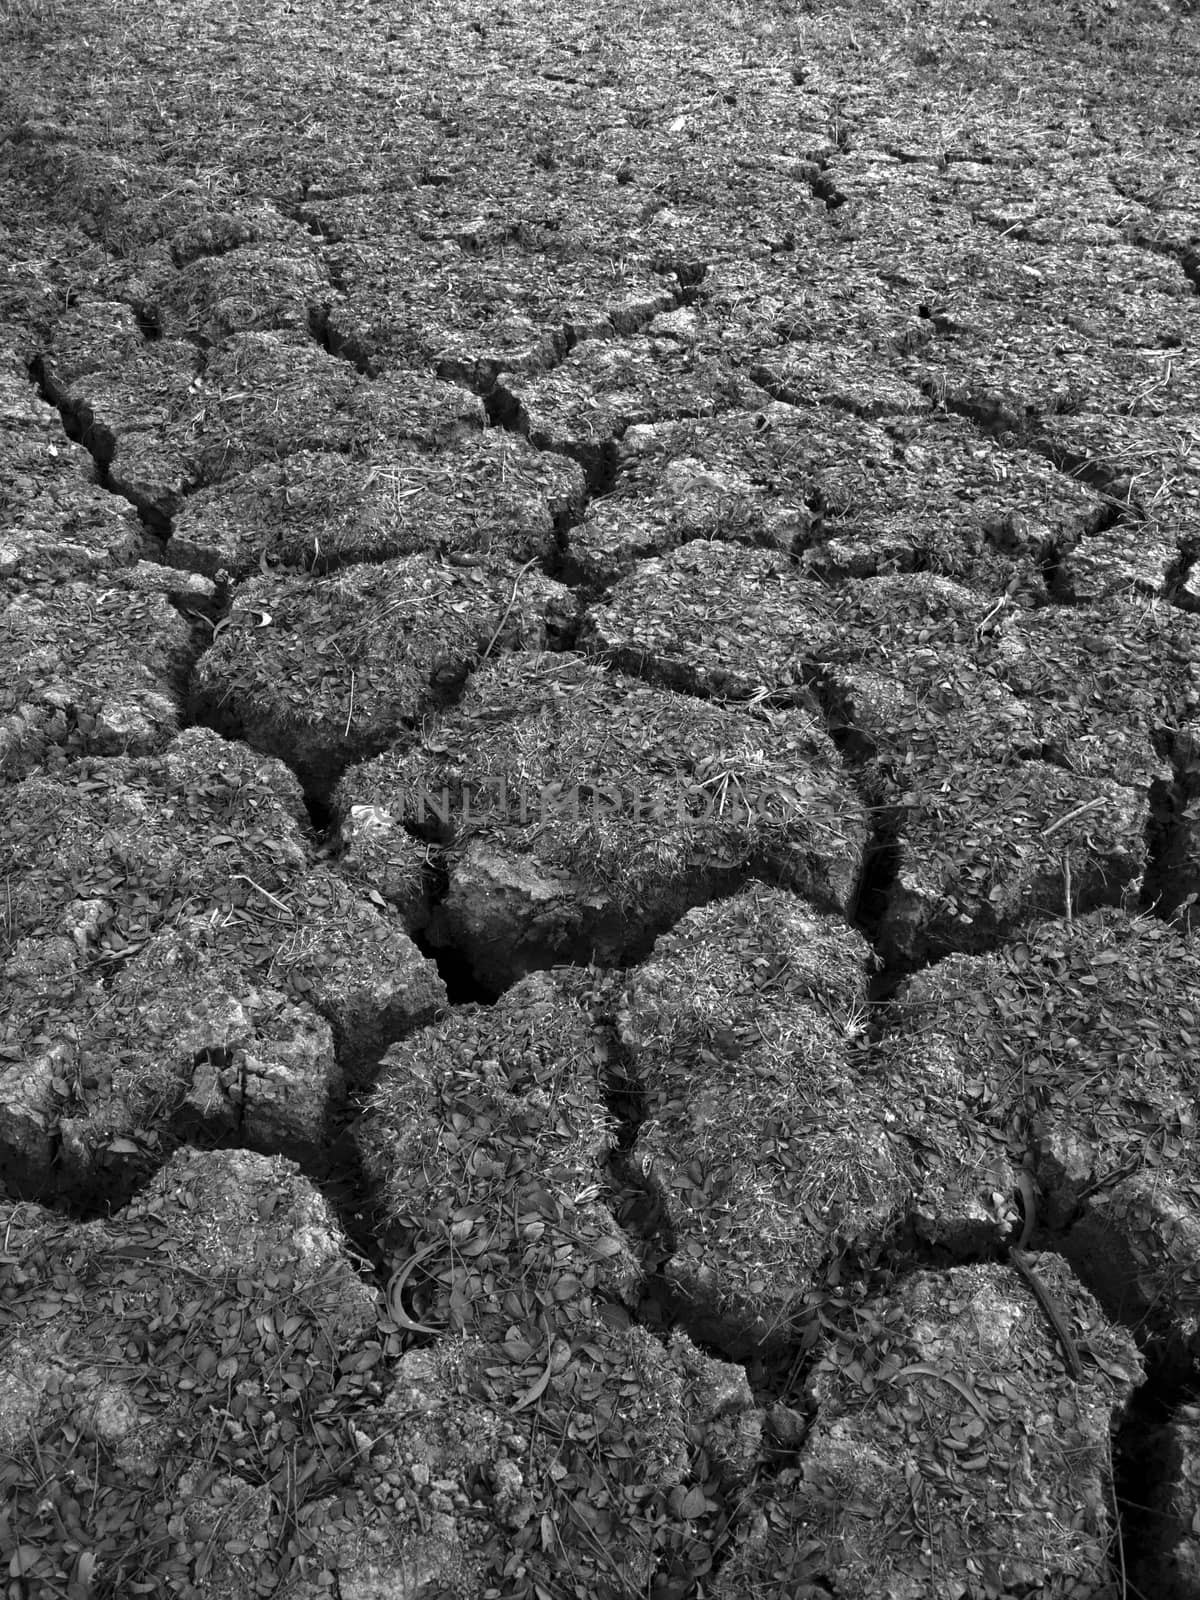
x=599, y=800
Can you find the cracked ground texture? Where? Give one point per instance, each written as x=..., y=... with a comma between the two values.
x=600, y=796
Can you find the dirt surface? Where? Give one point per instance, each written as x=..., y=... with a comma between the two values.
x=600, y=759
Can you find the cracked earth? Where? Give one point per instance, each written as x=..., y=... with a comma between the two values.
x=600, y=736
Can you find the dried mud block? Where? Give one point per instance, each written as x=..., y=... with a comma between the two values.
x=920, y=660
x=431, y=1428
x=388, y=864
x=123, y=397
x=226, y=1190
x=907, y=663
x=763, y=1134
x=160, y=812
x=31, y=1086
x=108, y=859
x=1014, y=754
x=1051, y=209
x=1079, y=1029
x=989, y=848
x=1144, y=466
x=819, y=324
x=1103, y=684
x=585, y=404
x=247, y=289
x=196, y=226
x=1133, y=558
x=964, y=1180
x=1008, y=365
x=1143, y=463
x=472, y=315
x=741, y=477
x=893, y=660
x=185, y=1045
x=1008, y=791
x=89, y=670
x=486, y=1140
x=360, y=971
x=269, y=395
x=861, y=382
x=870, y=175
x=931, y=494
x=911, y=713
x=323, y=672
x=1176, y=879
x=58, y=521
x=220, y=1245
x=160, y=427
x=401, y=306
x=476, y=1470
x=721, y=1404
x=94, y=192
x=489, y=495
x=952, y=1385
x=530, y=1070
x=695, y=502
x=583, y=811
x=1162, y=199
x=716, y=619
x=692, y=194
x=1063, y=199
